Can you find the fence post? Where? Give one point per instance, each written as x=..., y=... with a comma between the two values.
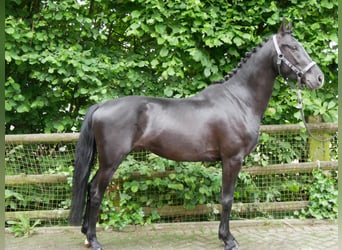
x=318, y=150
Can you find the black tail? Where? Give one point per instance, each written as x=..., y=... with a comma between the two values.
x=84, y=161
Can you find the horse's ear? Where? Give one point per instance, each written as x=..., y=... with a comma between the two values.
x=289, y=28
x=283, y=28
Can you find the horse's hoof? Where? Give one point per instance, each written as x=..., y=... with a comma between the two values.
x=87, y=243
x=231, y=245
x=231, y=248
x=96, y=246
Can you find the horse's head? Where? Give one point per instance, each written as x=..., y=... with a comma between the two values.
x=293, y=61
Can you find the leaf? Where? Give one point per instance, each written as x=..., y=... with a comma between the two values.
x=238, y=41
x=164, y=52
x=29, y=34
x=331, y=105
x=160, y=28
x=168, y=92
x=177, y=186
x=37, y=104
x=207, y=72
x=154, y=63
x=327, y=4
x=134, y=188
x=23, y=108
x=59, y=16
x=9, y=105
x=173, y=41
x=135, y=13
x=160, y=40
x=196, y=54
x=8, y=58
x=172, y=176
x=203, y=190
x=58, y=125
x=171, y=71
x=10, y=30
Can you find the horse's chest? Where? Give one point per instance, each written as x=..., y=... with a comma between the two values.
x=238, y=135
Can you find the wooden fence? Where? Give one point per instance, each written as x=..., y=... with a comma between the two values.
x=303, y=167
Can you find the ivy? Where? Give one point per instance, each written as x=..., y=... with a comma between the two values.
x=323, y=196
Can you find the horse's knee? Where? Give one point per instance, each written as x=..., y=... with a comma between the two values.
x=227, y=202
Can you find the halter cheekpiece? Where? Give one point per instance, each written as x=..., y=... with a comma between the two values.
x=281, y=58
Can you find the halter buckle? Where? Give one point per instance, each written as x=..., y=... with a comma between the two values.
x=280, y=58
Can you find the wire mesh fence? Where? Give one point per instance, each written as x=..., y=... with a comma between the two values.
x=273, y=183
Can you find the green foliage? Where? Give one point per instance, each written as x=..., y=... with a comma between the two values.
x=127, y=213
x=13, y=200
x=63, y=56
x=23, y=227
x=278, y=149
x=35, y=160
x=188, y=184
x=177, y=184
x=323, y=196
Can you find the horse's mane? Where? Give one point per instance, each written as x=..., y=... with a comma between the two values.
x=243, y=60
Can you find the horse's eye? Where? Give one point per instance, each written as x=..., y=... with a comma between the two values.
x=292, y=47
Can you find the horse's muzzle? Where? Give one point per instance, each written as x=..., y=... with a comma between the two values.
x=314, y=79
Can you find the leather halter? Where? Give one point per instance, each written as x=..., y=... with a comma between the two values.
x=281, y=58
x=300, y=74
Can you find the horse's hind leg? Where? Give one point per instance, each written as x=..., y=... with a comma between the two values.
x=97, y=187
x=230, y=171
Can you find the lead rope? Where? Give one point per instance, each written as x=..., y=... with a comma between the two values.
x=301, y=110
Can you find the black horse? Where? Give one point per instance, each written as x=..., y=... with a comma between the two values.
x=221, y=123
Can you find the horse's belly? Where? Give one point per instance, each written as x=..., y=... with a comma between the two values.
x=180, y=148
x=187, y=155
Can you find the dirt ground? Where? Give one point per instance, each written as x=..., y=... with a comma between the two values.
x=255, y=234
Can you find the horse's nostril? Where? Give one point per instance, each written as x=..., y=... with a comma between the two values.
x=320, y=79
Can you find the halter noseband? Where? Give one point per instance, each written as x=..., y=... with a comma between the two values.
x=281, y=58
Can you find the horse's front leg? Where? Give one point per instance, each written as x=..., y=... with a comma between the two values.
x=230, y=171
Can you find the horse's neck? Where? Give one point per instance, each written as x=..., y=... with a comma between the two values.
x=254, y=80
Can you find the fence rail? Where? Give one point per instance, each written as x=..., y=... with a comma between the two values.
x=305, y=167
x=17, y=180
x=172, y=211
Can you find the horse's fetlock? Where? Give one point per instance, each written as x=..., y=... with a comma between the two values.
x=223, y=235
